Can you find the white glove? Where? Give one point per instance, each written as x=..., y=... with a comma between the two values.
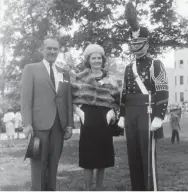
x=121, y=122
x=110, y=115
x=156, y=123
x=80, y=113
x=82, y=116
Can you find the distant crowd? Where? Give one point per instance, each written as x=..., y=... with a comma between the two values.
x=11, y=123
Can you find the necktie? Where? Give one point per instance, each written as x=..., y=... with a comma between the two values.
x=52, y=74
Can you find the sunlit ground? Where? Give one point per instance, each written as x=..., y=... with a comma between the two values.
x=172, y=166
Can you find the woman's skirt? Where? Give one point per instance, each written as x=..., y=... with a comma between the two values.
x=96, y=142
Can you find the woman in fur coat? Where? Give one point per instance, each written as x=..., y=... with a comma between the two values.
x=97, y=93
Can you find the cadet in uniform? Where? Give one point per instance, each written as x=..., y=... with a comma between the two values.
x=134, y=108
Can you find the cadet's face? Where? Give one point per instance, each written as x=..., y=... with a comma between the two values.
x=51, y=50
x=139, y=50
x=95, y=60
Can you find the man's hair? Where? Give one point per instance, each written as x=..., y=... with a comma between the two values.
x=53, y=38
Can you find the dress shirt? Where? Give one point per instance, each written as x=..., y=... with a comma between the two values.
x=57, y=75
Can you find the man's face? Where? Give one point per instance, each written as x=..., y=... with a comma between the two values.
x=51, y=50
x=139, y=47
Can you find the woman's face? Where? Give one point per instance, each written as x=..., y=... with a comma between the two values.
x=95, y=61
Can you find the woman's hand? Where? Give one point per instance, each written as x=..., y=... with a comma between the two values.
x=82, y=116
x=121, y=122
x=110, y=116
x=80, y=113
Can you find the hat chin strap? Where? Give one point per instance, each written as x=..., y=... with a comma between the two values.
x=140, y=47
x=140, y=50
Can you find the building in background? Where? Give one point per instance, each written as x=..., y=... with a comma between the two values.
x=170, y=75
x=181, y=76
x=178, y=79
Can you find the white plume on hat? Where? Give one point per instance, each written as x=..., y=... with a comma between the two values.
x=93, y=48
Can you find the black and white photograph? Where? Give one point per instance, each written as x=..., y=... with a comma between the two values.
x=93, y=95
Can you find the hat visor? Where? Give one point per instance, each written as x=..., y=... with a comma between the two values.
x=137, y=46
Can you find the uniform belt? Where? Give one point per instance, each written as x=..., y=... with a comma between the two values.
x=138, y=99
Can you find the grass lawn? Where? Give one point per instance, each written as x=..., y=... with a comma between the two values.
x=172, y=167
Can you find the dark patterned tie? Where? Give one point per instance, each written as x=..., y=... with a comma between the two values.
x=52, y=74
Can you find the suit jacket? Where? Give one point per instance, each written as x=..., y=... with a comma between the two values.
x=39, y=100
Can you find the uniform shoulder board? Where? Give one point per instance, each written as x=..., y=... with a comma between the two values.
x=158, y=74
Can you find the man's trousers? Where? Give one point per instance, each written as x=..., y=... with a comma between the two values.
x=137, y=133
x=44, y=170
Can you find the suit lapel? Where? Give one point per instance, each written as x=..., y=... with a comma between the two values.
x=47, y=76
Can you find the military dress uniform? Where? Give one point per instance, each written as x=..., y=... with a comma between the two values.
x=134, y=108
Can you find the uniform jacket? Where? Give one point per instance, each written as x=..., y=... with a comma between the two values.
x=40, y=101
x=153, y=75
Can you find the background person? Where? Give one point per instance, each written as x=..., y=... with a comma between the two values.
x=174, y=123
x=9, y=120
x=18, y=121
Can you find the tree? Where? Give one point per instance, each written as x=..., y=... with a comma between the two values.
x=26, y=23
x=98, y=23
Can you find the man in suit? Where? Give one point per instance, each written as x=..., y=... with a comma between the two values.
x=46, y=107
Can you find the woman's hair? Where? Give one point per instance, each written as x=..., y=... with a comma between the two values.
x=87, y=64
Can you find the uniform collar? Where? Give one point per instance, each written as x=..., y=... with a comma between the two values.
x=144, y=61
x=142, y=58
